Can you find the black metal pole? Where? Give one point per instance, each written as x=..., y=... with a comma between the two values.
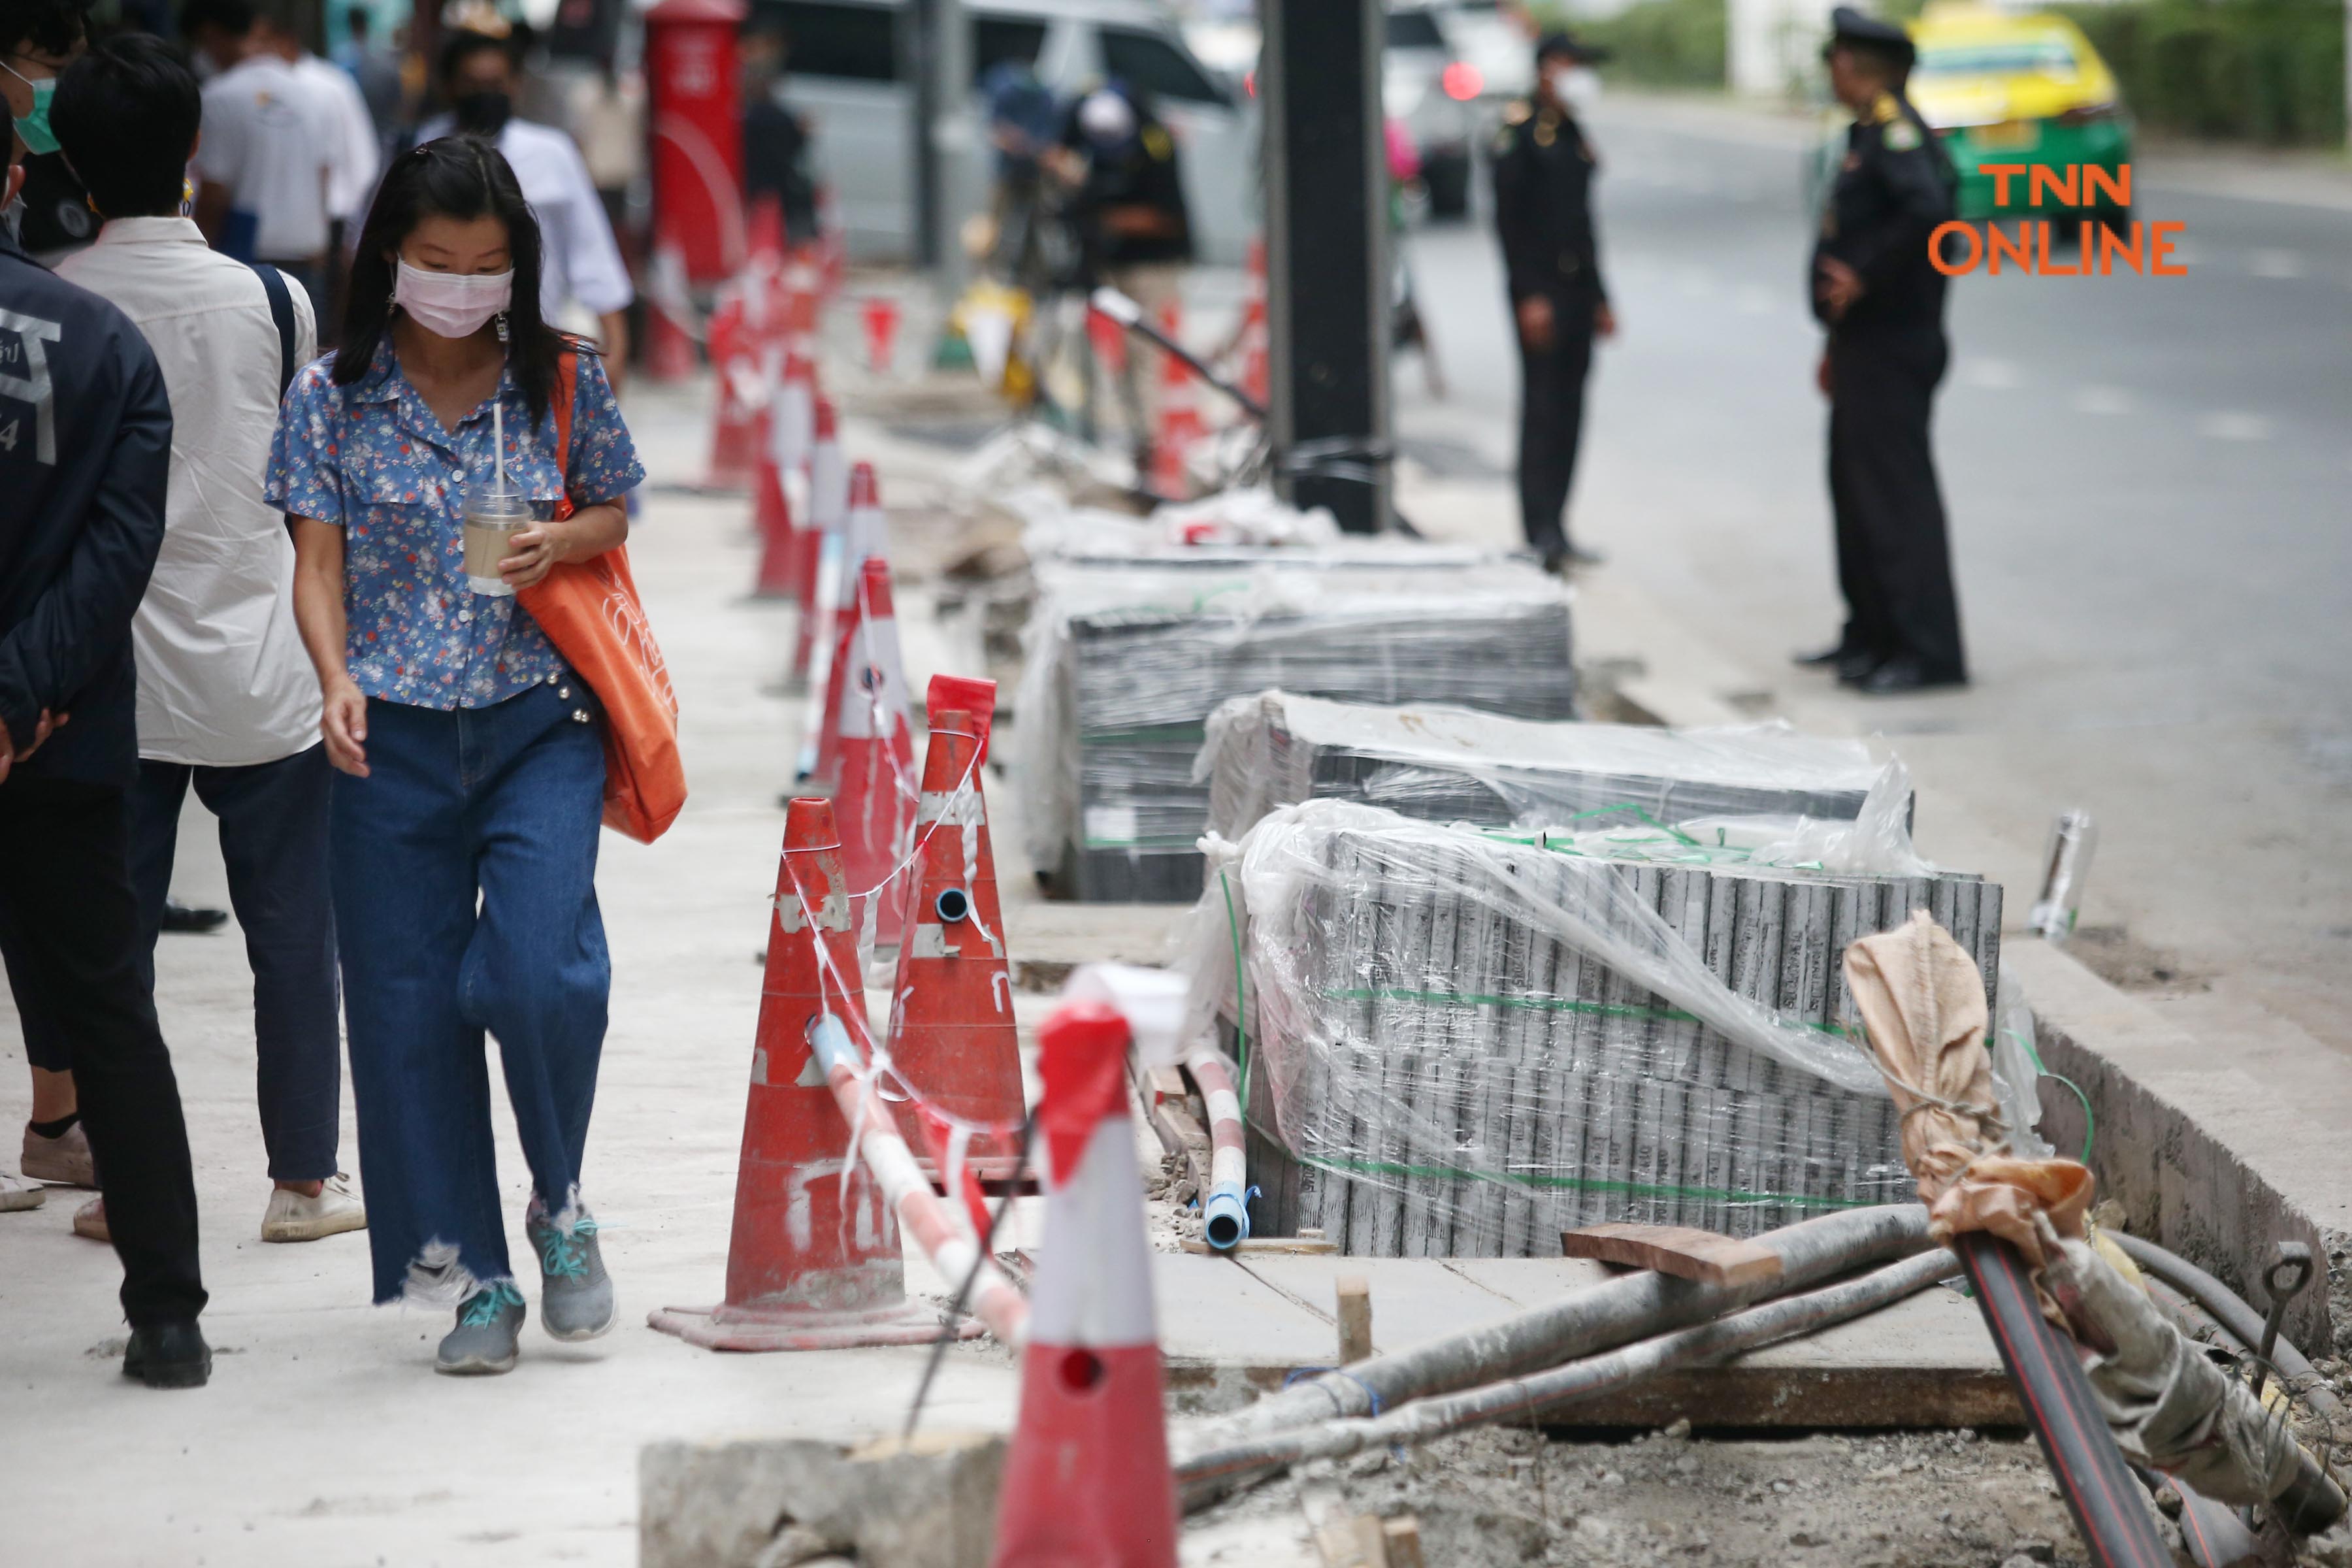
x=2108, y=1507
x=1327, y=253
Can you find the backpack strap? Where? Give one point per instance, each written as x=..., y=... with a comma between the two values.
x=281, y=313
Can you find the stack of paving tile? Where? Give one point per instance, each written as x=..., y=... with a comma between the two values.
x=1448, y=764
x=1128, y=661
x=1471, y=1043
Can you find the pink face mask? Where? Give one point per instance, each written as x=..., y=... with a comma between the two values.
x=451, y=304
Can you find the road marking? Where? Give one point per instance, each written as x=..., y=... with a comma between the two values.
x=2104, y=400
x=2274, y=264
x=2232, y=426
x=1991, y=375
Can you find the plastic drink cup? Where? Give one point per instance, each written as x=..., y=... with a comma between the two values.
x=496, y=511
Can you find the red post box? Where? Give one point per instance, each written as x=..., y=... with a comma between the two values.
x=697, y=133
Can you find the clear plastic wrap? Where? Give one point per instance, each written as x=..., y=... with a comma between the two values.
x=1125, y=662
x=1462, y=1042
x=1449, y=764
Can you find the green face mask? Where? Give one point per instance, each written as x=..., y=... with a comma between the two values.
x=34, y=127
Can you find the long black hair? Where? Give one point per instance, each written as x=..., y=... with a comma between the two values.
x=459, y=177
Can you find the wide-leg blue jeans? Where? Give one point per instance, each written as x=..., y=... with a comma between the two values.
x=464, y=870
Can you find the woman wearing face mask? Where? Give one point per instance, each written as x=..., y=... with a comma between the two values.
x=465, y=819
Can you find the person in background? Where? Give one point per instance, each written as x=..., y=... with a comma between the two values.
x=39, y=38
x=479, y=78
x=84, y=467
x=1551, y=262
x=1132, y=227
x=608, y=120
x=226, y=699
x=466, y=813
x=1024, y=121
x=775, y=138
x=353, y=157
x=375, y=74
x=1875, y=288
x=267, y=158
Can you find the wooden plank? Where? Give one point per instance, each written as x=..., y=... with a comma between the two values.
x=1343, y=1539
x=1271, y=1247
x=1402, y=1535
x=1678, y=1250
x=1168, y=1108
x=1354, y=1293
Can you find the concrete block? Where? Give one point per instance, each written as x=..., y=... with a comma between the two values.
x=768, y=1502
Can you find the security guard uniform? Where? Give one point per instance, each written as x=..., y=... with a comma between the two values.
x=1543, y=213
x=1886, y=353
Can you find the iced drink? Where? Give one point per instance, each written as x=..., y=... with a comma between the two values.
x=496, y=511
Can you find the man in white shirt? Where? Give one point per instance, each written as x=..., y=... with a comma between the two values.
x=352, y=161
x=582, y=266
x=268, y=149
x=227, y=700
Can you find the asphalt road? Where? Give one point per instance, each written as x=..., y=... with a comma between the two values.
x=2146, y=480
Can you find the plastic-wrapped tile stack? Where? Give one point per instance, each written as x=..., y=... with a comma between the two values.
x=1127, y=661
x=1448, y=764
x=1470, y=1042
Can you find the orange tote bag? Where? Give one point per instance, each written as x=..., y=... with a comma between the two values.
x=591, y=612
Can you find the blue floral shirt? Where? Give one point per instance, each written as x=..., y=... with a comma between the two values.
x=373, y=460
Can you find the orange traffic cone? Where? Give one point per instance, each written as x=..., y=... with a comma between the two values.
x=874, y=753
x=881, y=318
x=735, y=362
x=952, y=1036
x=1180, y=424
x=813, y=1263
x=1087, y=1481
x=863, y=540
x=820, y=542
x=772, y=515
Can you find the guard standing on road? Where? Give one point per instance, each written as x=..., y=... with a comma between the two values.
x=1551, y=260
x=1874, y=287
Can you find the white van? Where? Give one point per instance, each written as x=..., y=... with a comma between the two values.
x=848, y=69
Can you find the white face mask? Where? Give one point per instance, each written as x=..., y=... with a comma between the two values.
x=1576, y=87
x=451, y=304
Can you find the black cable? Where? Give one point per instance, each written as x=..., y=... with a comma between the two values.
x=963, y=1292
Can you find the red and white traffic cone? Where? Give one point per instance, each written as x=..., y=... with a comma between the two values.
x=881, y=319
x=1087, y=1481
x=863, y=539
x=1108, y=341
x=772, y=516
x=951, y=1033
x=1180, y=424
x=874, y=753
x=813, y=1262
x=1257, y=340
x=820, y=566
x=669, y=337
x=735, y=354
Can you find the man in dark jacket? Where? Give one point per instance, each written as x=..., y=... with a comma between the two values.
x=85, y=456
x=1551, y=260
x=1875, y=288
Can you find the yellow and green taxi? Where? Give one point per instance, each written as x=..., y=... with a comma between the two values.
x=2001, y=87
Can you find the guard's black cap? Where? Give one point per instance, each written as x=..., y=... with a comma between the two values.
x=1851, y=28
x=1567, y=45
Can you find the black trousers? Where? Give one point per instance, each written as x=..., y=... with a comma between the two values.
x=1552, y=422
x=65, y=878
x=1894, y=560
x=273, y=840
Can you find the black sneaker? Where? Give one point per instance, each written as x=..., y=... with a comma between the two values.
x=179, y=916
x=168, y=1355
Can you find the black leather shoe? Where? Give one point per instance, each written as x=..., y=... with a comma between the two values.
x=1836, y=653
x=1854, y=668
x=179, y=916
x=168, y=1355
x=1898, y=677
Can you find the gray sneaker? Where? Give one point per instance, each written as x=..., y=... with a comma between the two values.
x=575, y=1299
x=488, y=1322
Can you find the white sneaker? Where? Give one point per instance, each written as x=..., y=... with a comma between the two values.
x=89, y=1220
x=15, y=1192
x=292, y=1216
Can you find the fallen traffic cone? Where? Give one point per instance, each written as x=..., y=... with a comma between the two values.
x=813, y=1262
x=863, y=540
x=951, y=1035
x=881, y=318
x=735, y=364
x=772, y=515
x=820, y=542
x=1180, y=424
x=1086, y=1480
x=874, y=754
